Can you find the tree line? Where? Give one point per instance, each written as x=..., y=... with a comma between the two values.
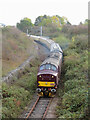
x=44, y=20
x=55, y=22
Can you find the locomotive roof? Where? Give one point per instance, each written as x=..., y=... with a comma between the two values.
x=55, y=55
x=51, y=61
x=55, y=47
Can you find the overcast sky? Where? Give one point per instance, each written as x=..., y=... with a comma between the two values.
x=12, y=11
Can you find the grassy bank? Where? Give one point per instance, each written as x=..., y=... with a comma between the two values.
x=16, y=48
x=18, y=95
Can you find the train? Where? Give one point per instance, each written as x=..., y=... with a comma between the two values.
x=49, y=72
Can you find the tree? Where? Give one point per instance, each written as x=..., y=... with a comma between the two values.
x=25, y=24
x=45, y=22
x=38, y=20
x=56, y=21
x=86, y=22
x=48, y=20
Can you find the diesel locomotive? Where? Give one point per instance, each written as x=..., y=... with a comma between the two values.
x=49, y=72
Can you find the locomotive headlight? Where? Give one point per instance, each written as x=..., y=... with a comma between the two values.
x=52, y=76
x=40, y=76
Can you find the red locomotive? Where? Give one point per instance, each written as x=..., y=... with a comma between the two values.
x=49, y=72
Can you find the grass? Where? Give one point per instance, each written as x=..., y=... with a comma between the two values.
x=16, y=48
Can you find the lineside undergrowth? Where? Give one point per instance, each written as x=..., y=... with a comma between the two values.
x=18, y=95
x=73, y=98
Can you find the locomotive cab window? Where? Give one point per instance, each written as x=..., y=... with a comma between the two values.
x=48, y=66
x=42, y=67
x=54, y=68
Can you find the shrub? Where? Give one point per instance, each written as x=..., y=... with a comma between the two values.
x=81, y=42
x=71, y=84
x=62, y=40
x=74, y=103
x=71, y=60
x=75, y=98
x=74, y=73
x=14, y=99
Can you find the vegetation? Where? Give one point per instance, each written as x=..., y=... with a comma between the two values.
x=74, y=94
x=50, y=24
x=62, y=40
x=16, y=48
x=73, y=91
x=86, y=22
x=24, y=24
x=18, y=95
x=47, y=20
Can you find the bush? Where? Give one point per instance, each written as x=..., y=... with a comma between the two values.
x=74, y=103
x=14, y=99
x=71, y=84
x=72, y=30
x=81, y=42
x=62, y=40
x=75, y=73
x=75, y=98
x=72, y=60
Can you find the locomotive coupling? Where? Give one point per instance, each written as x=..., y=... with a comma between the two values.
x=53, y=90
x=38, y=90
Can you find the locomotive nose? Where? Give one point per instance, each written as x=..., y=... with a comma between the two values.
x=46, y=77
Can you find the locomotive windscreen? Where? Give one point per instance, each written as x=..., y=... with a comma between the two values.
x=48, y=67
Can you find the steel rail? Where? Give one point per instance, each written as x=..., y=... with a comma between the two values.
x=44, y=114
x=32, y=108
x=46, y=109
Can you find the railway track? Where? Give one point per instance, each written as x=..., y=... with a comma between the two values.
x=39, y=109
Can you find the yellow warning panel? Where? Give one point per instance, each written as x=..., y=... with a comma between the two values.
x=46, y=84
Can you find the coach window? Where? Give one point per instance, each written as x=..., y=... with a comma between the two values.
x=48, y=66
x=42, y=67
x=54, y=67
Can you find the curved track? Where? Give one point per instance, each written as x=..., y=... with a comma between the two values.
x=39, y=109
